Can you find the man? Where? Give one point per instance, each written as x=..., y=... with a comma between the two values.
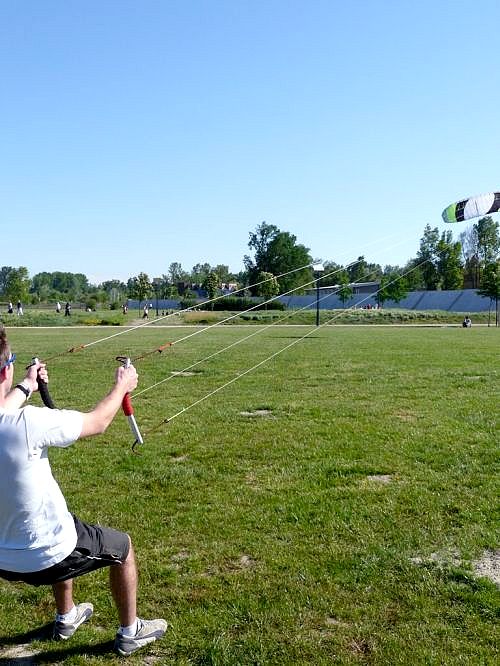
x=41, y=543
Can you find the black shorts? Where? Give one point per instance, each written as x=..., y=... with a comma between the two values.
x=96, y=547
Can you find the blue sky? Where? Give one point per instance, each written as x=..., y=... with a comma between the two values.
x=136, y=134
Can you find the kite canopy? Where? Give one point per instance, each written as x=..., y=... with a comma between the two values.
x=484, y=204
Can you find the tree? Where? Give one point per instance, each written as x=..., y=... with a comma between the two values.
x=267, y=286
x=277, y=252
x=490, y=285
x=488, y=240
x=109, y=285
x=438, y=261
x=222, y=272
x=427, y=258
x=480, y=246
x=17, y=284
x=176, y=273
x=357, y=271
x=449, y=266
x=171, y=291
x=362, y=271
x=139, y=287
x=392, y=287
x=413, y=275
x=329, y=276
x=345, y=290
x=61, y=284
x=114, y=289
x=5, y=271
x=211, y=285
x=470, y=257
x=199, y=273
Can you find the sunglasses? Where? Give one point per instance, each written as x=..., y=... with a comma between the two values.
x=10, y=360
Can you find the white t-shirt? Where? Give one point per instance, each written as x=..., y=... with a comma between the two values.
x=36, y=528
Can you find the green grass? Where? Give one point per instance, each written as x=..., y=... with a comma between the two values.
x=350, y=316
x=323, y=509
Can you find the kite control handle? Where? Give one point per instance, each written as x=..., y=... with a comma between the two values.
x=43, y=388
x=128, y=410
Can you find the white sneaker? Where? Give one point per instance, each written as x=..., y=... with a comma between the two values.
x=147, y=632
x=64, y=630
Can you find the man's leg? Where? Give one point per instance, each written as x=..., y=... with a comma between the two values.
x=134, y=633
x=123, y=583
x=63, y=595
x=69, y=617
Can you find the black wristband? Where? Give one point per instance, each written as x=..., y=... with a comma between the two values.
x=25, y=390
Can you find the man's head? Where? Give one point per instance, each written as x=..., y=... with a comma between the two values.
x=6, y=361
x=4, y=347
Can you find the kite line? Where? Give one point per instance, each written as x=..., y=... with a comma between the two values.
x=261, y=363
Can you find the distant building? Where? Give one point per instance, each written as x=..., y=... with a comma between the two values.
x=357, y=288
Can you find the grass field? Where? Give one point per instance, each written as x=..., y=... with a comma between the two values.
x=306, y=316
x=330, y=507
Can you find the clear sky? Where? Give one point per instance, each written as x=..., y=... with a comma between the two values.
x=136, y=134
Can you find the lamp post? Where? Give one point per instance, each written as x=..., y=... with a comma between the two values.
x=156, y=286
x=317, y=270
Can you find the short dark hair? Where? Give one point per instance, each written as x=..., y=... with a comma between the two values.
x=4, y=346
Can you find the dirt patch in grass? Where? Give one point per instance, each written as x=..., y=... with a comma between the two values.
x=383, y=479
x=19, y=654
x=489, y=566
x=181, y=555
x=333, y=622
x=406, y=416
x=185, y=373
x=244, y=563
x=440, y=558
x=257, y=412
x=360, y=647
x=252, y=481
x=179, y=458
x=241, y=564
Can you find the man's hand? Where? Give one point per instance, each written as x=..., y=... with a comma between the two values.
x=36, y=371
x=126, y=378
x=96, y=421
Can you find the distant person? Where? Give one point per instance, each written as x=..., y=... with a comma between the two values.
x=145, y=311
x=125, y=308
x=41, y=542
x=19, y=309
x=67, y=309
x=467, y=323
x=58, y=307
x=10, y=308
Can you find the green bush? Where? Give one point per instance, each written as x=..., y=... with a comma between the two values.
x=187, y=304
x=233, y=303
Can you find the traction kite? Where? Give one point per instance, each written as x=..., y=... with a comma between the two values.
x=484, y=204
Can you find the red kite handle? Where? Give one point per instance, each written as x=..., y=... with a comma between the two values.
x=128, y=410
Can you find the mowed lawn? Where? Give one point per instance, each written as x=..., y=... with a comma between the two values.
x=335, y=506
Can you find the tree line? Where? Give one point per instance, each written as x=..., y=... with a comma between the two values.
x=278, y=264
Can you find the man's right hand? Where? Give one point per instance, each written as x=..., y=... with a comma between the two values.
x=126, y=378
x=96, y=421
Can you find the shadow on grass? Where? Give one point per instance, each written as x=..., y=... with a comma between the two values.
x=9, y=654
x=294, y=337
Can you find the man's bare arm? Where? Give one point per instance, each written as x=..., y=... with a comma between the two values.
x=96, y=421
